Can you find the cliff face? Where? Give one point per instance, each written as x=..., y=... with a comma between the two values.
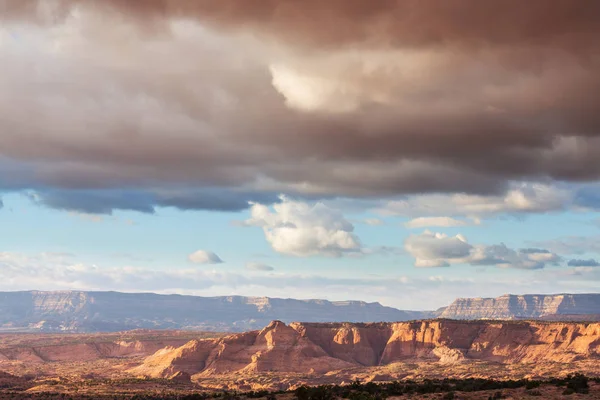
x=321, y=348
x=523, y=307
x=73, y=311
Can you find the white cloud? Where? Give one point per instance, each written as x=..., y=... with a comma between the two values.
x=436, y=249
x=50, y=271
x=313, y=93
x=299, y=229
x=521, y=198
x=87, y=217
x=439, y=250
x=444, y=222
x=254, y=266
x=504, y=257
x=204, y=257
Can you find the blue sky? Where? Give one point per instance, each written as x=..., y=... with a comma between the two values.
x=273, y=152
x=162, y=242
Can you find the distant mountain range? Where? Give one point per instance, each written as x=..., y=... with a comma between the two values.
x=78, y=311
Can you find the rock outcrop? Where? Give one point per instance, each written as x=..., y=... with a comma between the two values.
x=524, y=307
x=86, y=351
x=320, y=348
x=74, y=311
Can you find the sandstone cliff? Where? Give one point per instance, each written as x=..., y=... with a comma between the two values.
x=321, y=348
x=524, y=307
x=73, y=311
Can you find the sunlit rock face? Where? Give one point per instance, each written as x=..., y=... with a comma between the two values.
x=322, y=348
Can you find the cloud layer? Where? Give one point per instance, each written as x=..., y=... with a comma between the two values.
x=53, y=271
x=204, y=104
x=439, y=250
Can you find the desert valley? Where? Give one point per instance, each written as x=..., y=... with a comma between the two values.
x=282, y=357
x=299, y=199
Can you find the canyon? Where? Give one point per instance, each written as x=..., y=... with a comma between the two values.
x=313, y=348
x=284, y=356
x=88, y=312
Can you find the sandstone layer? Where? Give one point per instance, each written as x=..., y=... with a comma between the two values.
x=525, y=307
x=322, y=348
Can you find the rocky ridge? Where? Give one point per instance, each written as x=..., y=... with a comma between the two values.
x=316, y=348
x=76, y=311
x=525, y=307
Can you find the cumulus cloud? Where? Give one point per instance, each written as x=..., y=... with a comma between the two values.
x=204, y=257
x=301, y=229
x=584, y=263
x=439, y=250
x=204, y=104
x=255, y=266
x=436, y=249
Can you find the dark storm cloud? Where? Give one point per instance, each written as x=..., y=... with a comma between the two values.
x=341, y=22
x=247, y=98
x=107, y=200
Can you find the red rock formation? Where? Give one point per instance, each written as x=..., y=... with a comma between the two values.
x=320, y=348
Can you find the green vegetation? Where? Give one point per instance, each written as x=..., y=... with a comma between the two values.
x=446, y=388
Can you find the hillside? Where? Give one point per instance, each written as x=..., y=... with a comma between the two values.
x=76, y=311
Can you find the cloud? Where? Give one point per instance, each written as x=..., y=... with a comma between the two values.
x=204, y=257
x=301, y=229
x=209, y=105
x=53, y=272
x=354, y=21
x=435, y=249
x=254, y=266
x=439, y=250
x=104, y=201
x=374, y=222
x=87, y=217
x=425, y=222
x=584, y=263
x=505, y=257
x=519, y=199
x=572, y=245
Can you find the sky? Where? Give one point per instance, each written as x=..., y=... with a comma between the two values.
x=406, y=152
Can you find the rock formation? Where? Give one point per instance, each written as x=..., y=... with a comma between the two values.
x=320, y=348
x=525, y=307
x=85, y=351
x=73, y=311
